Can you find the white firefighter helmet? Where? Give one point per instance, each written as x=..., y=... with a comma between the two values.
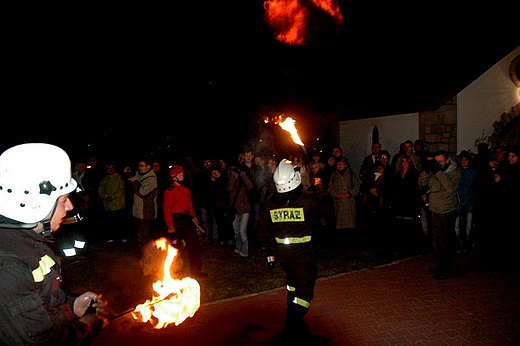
x=285, y=177
x=32, y=177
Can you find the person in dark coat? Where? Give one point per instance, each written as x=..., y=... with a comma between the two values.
x=466, y=191
x=406, y=203
x=375, y=207
x=220, y=207
x=506, y=203
x=34, y=310
x=290, y=216
x=369, y=163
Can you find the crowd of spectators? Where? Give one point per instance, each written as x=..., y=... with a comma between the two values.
x=385, y=203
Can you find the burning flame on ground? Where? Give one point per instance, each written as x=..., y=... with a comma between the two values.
x=288, y=18
x=289, y=125
x=175, y=300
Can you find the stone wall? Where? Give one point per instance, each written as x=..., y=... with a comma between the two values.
x=438, y=128
x=507, y=129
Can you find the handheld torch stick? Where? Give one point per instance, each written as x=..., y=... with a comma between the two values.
x=126, y=312
x=201, y=230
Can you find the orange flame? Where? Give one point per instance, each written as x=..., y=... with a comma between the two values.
x=175, y=300
x=288, y=18
x=332, y=8
x=288, y=124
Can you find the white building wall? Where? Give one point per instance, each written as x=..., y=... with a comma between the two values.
x=356, y=135
x=482, y=102
x=479, y=105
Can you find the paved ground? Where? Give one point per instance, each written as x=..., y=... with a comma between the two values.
x=397, y=304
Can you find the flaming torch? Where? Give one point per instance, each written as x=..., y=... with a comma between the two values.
x=289, y=124
x=289, y=19
x=174, y=300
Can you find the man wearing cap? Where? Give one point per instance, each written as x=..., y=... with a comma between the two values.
x=179, y=216
x=33, y=308
x=290, y=217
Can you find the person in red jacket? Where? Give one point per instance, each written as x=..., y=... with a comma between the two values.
x=179, y=216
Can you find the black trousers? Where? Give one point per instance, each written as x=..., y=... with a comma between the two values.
x=443, y=238
x=299, y=265
x=186, y=230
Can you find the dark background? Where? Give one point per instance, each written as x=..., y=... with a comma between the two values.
x=197, y=78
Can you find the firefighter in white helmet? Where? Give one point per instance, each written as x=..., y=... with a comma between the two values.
x=290, y=217
x=35, y=183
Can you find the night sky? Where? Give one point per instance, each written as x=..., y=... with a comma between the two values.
x=198, y=77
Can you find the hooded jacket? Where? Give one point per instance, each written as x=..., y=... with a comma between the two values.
x=443, y=188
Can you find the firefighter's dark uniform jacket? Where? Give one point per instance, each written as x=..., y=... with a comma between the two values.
x=33, y=308
x=291, y=219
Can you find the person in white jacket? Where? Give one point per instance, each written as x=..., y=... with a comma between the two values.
x=144, y=209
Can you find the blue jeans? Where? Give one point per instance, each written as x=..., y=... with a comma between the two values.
x=240, y=228
x=464, y=225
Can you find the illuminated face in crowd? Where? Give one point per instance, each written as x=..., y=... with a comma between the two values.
x=179, y=177
x=248, y=157
x=408, y=149
x=442, y=160
x=215, y=174
x=341, y=165
x=464, y=162
x=376, y=148
x=143, y=167
x=500, y=154
x=406, y=164
x=111, y=169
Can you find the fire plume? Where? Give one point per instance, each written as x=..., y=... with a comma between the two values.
x=288, y=19
x=288, y=124
x=174, y=300
x=332, y=8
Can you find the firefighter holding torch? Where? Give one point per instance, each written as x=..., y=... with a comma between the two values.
x=289, y=216
x=35, y=183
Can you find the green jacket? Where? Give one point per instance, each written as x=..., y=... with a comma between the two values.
x=112, y=192
x=443, y=189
